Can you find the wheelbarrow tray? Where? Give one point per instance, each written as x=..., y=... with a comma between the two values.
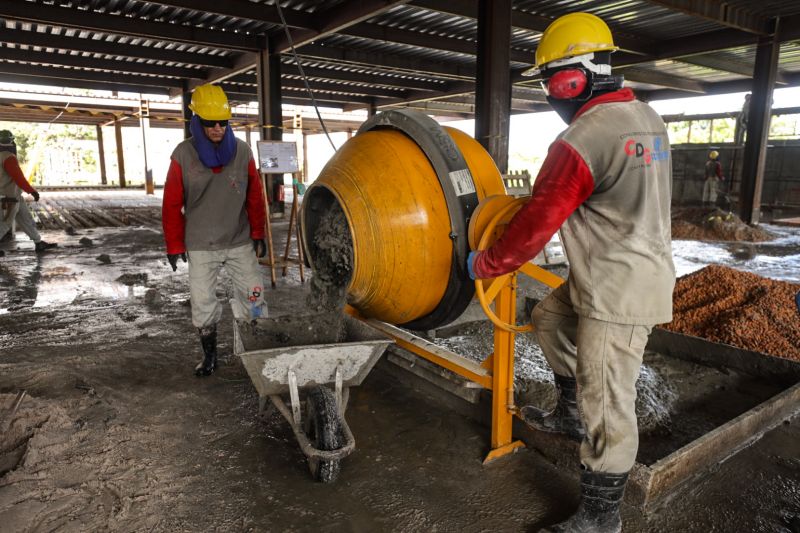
x=311, y=347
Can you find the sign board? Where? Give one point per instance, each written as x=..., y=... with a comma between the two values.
x=277, y=157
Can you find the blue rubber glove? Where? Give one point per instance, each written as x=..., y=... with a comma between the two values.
x=470, y=262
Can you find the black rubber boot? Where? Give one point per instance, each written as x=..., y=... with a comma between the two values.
x=43, y=246
x=208, y=338
x=598, y=512
x=564, y=418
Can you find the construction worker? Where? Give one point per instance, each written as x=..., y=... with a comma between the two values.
x=606, y=184
x=714, y=177
x=213, y=214
x=12, y=183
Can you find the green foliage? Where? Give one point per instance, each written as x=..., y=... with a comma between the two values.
x=784, y=127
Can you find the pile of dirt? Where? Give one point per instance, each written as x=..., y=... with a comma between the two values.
x=704, y=224
x=745, y=310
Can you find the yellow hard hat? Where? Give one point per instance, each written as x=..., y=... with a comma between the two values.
x=573, y=35
x=713, y=154
x=210, y=103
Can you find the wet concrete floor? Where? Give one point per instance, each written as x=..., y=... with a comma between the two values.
x=117, y=434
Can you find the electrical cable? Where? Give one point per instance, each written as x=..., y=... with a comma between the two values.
x=302, y=73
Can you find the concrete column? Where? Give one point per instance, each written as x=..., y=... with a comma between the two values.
x=755, y=146
x=102, y=155
x=493, y=83
x=120, y=154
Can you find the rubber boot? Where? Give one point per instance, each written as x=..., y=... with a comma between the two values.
x=564, y=418
x=598, y=512
x=208, y=338
x=43, y=246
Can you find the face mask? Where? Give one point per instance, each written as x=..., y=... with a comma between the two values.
x=566, y=109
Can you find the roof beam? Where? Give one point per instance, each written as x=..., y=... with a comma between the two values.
x=79, y=61
x=335, y=19
x=387, y=80
x=298, y=92
x=76, y=44
x=110, y=80
x=739, y=18
x=727, y=64
x=723, y=87
x=389, y=61
x=243, y=9
x=50, y=81
x=122, y=25
x=377, y=32
x=654, y=77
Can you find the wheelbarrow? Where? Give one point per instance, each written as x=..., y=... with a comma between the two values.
x=319, y=357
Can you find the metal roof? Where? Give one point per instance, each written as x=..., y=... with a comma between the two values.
x=359, y=53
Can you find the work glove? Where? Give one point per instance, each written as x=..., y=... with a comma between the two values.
x=470, y=262
x=35, y=195
x=260, y=247
x=173, y=260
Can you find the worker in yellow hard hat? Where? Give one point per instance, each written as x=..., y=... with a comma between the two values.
x=214, y=213
x=606, y=183
x=12, y=206
x=714, y=177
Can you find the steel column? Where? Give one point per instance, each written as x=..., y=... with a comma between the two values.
x=186, y=99
x=493, y=84
x=144, y=114
x=102, y=155
x=755, y=146
x=120, y=155
x=270, y=116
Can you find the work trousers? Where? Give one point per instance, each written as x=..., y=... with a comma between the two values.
x=604, y=358
x=248, y=284
x=20, y=211
x=710, y=190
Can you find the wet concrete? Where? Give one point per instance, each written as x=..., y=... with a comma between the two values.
x=777, y=259
x=119, y=435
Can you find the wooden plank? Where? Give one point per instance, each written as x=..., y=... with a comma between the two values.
x=714, y=354
x=721, y=443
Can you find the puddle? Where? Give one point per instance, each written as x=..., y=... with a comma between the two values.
x=778, y=259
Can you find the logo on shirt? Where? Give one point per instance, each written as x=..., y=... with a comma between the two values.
x=634, y=148
x=235, y=184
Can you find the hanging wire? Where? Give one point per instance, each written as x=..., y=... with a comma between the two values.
x=303, y=74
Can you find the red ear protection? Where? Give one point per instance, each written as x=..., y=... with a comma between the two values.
x=566, y=84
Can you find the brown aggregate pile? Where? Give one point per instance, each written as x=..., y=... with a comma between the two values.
x=745, y=310
x=704, y=224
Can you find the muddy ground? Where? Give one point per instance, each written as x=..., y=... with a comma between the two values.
x=116, y=433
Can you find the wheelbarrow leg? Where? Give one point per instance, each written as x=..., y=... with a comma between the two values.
x=294, y=394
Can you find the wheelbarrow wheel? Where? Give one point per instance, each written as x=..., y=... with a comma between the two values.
x=324, y=431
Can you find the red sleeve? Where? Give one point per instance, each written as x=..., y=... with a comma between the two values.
x=172, y=218
x=11, y=165
x=719, y=171
x=255, y=205
x=563, y=184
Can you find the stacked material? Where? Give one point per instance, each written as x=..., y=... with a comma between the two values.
x=703, y=224
x=725, y=305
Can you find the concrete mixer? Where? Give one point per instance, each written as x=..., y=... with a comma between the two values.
x=389, y=224
x=407, y=188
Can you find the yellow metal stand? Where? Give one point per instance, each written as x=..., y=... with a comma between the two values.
x=503, y=408
x=496, y=373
